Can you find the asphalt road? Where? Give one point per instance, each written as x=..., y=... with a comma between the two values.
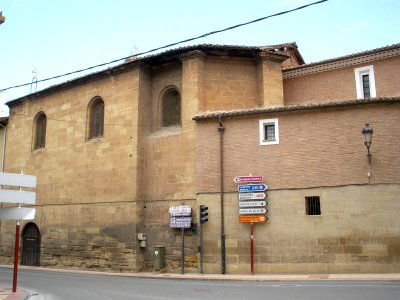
x=68, y=286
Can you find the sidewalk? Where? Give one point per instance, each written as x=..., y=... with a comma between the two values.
x=6, y=294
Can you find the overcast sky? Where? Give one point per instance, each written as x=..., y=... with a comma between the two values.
x=52, y=37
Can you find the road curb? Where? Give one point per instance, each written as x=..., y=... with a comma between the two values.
x=230, y=277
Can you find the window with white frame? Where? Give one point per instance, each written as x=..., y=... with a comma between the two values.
x=269, y=131
x=365, y=82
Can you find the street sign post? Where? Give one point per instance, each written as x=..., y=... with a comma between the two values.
x=180, y=217
x=252, y=188
x=17, y=213
x=252, y=211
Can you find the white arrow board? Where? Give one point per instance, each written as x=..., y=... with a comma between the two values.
x=17, y=180
x=20, y=197
x=17, y=213
x=252, y=211
x=252, y=196
x=252, y=203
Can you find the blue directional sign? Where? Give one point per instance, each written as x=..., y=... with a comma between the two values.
x=252, y=187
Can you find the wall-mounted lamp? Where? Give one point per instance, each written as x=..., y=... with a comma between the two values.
x=367, y=132
x=2, y=18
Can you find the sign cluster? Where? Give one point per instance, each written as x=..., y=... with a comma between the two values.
x=252, y=206
x=180, y=216
x=17, y=196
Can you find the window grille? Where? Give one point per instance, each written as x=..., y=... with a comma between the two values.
x=366, y=87
x=270, y=132
x=313, y=206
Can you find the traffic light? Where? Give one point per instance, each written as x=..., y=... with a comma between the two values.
x=203, y=214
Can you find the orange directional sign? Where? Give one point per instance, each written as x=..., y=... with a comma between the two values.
x=253, y=219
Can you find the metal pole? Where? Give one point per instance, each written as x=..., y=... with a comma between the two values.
x=16, y=251
x=183, y=250
x=201, y=248
x=252, y=248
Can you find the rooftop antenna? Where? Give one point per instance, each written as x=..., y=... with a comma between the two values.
x=34, y=81
x=133, y=53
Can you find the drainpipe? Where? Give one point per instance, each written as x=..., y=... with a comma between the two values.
x=221, y=130
x=4, y=147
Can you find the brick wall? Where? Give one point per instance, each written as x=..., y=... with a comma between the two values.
x=317, y=148
x=340, y=84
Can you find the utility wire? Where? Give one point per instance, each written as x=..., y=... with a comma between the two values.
x=169, y=45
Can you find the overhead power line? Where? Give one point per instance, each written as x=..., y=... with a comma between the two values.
x=168, y=46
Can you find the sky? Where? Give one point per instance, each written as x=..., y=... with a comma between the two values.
x=46, y=38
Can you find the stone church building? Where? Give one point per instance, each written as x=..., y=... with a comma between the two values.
x=113, y=150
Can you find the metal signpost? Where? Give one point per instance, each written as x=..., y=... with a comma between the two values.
x=181, y=217
x=251, y=211
x=17, y=213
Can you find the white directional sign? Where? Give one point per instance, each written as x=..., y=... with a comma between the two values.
x=17, y=213
x=17, y=180
x=20, y=197
x=252, y=196
x=252, y=203
x=182, y=210
x=252, y=211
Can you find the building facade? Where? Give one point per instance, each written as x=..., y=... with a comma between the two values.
x=112, y=151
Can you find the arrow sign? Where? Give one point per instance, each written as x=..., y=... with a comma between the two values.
x=20, y=197
x=247, y=179
x=253, y=219
x=252, y=203
x=252, y=196
x=252, y=211
x=17, y=213
x=17, y=180
x=252, y=187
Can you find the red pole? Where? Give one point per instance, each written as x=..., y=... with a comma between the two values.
x=16, y=251
x=252, y=248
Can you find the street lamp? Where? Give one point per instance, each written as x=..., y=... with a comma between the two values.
x=367, y=132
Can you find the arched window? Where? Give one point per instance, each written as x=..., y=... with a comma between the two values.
x=96, y=118
x=39, y=138
x=171, y=108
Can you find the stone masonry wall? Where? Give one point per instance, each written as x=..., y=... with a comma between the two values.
x=357, y=232
x=86, y=189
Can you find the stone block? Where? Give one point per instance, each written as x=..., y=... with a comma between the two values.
x=332, y=249
x=328, y=241
x=352, y=249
